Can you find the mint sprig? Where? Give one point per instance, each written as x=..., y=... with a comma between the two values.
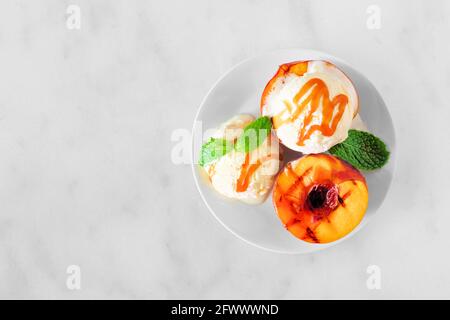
x=251, y=138
x=363, y=150
x=254, y=135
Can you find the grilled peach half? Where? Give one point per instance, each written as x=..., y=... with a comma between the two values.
x=320, y=198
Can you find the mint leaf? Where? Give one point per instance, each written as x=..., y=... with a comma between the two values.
x=254, y=135
x=251, y=138
x=363, y=150
x=214, y=149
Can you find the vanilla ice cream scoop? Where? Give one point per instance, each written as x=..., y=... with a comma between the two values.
x=312, y=105
x=245, y=176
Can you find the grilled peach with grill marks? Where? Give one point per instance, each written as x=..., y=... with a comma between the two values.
x=320, y=198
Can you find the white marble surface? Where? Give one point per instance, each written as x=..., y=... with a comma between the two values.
x=85, y=173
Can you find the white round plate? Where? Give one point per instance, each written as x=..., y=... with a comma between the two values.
x=239, y=91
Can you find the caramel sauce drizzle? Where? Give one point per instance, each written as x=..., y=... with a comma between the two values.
x=246, y=172
x=318, y=92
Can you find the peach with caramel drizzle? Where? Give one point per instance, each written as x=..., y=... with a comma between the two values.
x=312, y=105
x=320, y=198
